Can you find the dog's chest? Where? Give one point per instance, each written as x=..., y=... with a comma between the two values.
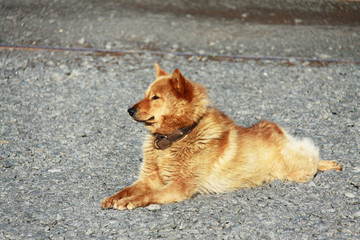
x=168, y=165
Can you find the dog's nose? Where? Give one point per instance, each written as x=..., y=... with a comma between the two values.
x=132, y=111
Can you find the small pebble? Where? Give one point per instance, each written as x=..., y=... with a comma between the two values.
x=153, y=207
x=350, y=195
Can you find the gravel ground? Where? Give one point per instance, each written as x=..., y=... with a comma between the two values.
x=67, y=142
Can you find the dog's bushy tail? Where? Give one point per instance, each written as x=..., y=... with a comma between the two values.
x=302, y=161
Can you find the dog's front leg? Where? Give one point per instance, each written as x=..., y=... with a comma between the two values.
x=172, y=192
x=138, y=187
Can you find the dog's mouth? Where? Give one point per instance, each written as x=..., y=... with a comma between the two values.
x=147, y=122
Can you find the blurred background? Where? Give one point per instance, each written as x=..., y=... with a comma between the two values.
x=321, y=29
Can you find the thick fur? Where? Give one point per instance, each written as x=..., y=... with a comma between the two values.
x=216, y=156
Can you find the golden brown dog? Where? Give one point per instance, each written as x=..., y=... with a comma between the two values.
x=193, y=148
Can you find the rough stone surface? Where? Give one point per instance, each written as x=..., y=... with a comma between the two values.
x=67, y=142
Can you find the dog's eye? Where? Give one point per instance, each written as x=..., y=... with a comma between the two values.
x=154, y=97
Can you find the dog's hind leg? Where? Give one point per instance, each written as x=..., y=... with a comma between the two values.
x=328, y=165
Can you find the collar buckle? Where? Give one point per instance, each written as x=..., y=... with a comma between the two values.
x=161, y=142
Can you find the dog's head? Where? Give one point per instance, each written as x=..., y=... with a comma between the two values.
x=171, y=102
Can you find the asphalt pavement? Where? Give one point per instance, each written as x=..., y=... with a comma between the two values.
x=70, y=69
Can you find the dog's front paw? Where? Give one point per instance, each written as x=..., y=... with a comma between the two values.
x=129, y=203
x=108, y=202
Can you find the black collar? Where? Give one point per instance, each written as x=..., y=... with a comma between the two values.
x=164, y=141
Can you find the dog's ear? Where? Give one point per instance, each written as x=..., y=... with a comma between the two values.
x=159, y=71
x=182, y=87
x=178, y=81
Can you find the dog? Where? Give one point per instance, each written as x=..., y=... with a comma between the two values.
x=195, y=148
